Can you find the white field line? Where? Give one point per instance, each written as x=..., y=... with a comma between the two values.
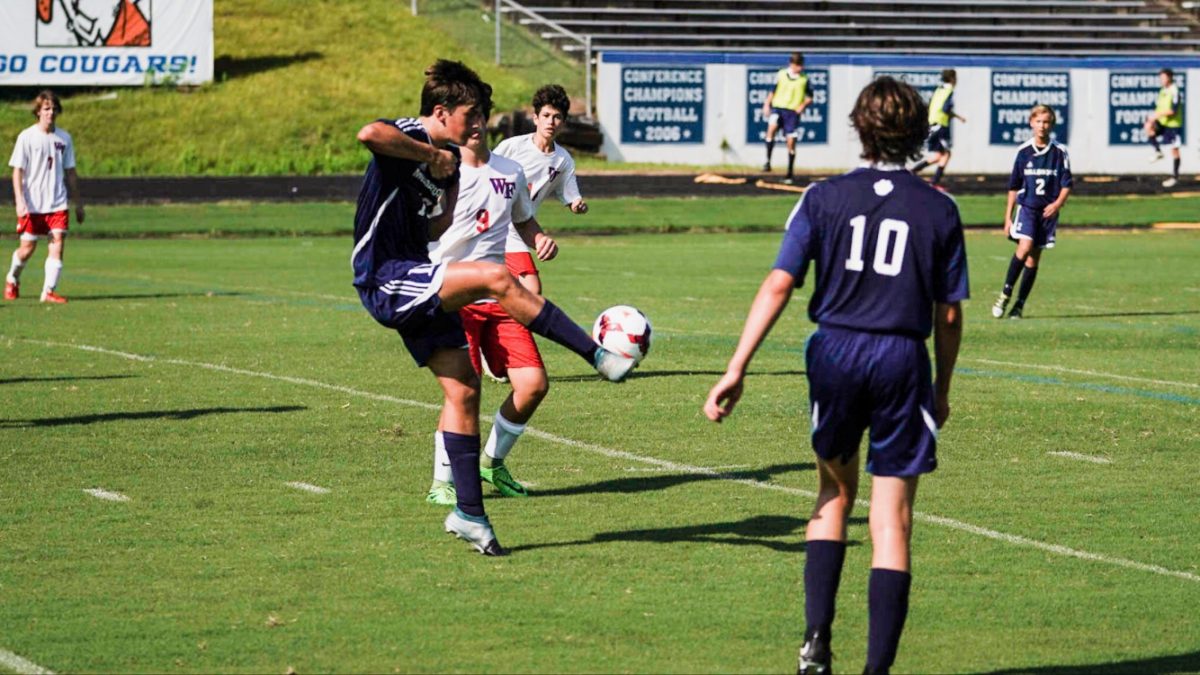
x=1092, y=373
x=1081, y=457
x=106, y=495
x=658, y=469
x=309, y=487
x=17, y=664
x=1015, y=540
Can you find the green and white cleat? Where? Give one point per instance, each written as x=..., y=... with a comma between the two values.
x=500, y=477
x=998, y=308
x=613, y=366
x=476, y=530
x=442, y=494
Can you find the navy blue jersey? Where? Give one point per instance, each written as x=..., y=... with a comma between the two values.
x=397, y=199
x=1040, y=174
x=886, y=247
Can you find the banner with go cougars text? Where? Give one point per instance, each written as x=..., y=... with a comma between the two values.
x=105, y=42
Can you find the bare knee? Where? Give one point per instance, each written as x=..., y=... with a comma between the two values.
x=498, y=281
x=463, y=394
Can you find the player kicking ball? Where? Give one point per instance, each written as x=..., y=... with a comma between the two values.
x=891, y=267
x=941, y=113
x=1039, y=186
x=493, y=203
x=413, y=176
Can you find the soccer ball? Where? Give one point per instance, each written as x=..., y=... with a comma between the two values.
x=623, y=330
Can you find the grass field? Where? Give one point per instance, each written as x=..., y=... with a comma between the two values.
x=199, y=377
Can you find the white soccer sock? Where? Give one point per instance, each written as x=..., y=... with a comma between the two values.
x=53, y=270
x=441, y=460
x=504, y=435
x=14, y=272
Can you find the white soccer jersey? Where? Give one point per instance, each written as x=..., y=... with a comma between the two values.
x=490, y=199
x=548, y=173
x=44, y=157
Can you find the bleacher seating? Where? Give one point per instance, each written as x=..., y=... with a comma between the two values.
x=1016, y=27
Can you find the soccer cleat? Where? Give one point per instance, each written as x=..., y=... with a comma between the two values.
x=815, y=655
x=1016, y=312
x=998, y=308
x=1170, y=183
x=488, y=371
x=612, y=366
x=789, y=181
x=442, y=494
x=476, y=530
x=500, y=477
x=11, y=291
x=54, y=298
x=1156, y=157
x=767, y=167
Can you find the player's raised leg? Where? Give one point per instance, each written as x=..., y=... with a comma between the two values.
x=466, y=282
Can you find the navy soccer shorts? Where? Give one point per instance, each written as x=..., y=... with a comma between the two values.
x=878, y=381
x=1168, y=136
x=938, y=139
x=1029, y=223
x=788, y=120
x=407, y=300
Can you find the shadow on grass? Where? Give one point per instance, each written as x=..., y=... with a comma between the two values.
x=1178, y=663
x=145, y=415
x=226, y=67
x=1110, y=315
x=154, y=296
x=640, y=375
x=766, y=531
x=636, y=484
x=63, y=378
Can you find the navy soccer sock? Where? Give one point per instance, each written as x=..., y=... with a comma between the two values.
x=792, y=163
x=1026, y=285
x=463, y=451
x=553, y=323
x=920, y=166
x=770, y=149
x=1014, y=271
x=1176, y=170
x=887, y=600
x=822, y=573
x=937, y=174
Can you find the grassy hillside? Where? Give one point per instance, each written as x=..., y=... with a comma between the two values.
x=295, y=79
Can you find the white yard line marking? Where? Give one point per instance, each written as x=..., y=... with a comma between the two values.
x=21, y=665
x=1092, y=373
x=950, y=523
x=309, y=487
x=656, y=469
x=106, y=495
x=1083, y=458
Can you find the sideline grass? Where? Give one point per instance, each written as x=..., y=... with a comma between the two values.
x=216, y=564
x=612, y=216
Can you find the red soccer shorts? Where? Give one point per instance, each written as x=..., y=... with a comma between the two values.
x=504, y=342
x=519, y=264
x=41, y=224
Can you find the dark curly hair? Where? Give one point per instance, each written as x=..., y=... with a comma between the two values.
x=451, y=84
x=554, y=96
x=891, y=120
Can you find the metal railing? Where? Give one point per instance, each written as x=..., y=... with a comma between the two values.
x=585, y=41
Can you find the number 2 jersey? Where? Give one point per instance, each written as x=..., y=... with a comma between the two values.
x=886, y=247
x=1040, y=174
x=397, y=199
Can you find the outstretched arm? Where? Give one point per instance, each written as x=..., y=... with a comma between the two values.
x=770, y=302
x=947, y=336
x=385, y=139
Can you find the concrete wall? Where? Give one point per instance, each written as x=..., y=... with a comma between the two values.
x=635, y=87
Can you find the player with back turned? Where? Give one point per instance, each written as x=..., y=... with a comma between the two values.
x=1039, y=186
x=413, y=177
x=891, y=268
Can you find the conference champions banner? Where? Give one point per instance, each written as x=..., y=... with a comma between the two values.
x=662, y=104
x=105, y=42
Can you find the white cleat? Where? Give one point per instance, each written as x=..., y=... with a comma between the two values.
x=487, y=370
x=1170, y=183
x=476, y=531
x=1156, y=157
x=613, y=366
x=998, y=308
